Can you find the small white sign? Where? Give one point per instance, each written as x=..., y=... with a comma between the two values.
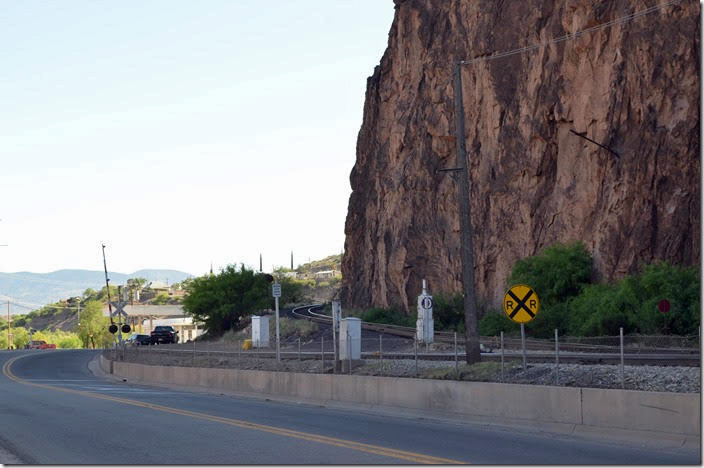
x=276, y=290
x=427, y=303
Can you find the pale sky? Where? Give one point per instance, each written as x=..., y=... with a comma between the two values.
x=180, y=132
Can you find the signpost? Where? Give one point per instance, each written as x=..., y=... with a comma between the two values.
x=424, y=323
x=521, y=305
x=276, y=292
x=664, y=307
x=336, y=317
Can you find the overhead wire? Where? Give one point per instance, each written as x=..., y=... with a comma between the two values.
x=570, y=36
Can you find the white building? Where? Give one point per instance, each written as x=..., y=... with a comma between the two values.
x=185, y=327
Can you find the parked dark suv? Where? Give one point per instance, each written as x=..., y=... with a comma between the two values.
x=164, y=334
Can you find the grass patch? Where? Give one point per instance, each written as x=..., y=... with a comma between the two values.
x=481, y=371
x=292, y=328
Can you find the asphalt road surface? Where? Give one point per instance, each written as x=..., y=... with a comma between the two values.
x=55, y=411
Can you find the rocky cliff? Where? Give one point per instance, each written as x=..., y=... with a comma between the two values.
x=632, y=87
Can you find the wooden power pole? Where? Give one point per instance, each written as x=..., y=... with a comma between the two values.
x=466, y=233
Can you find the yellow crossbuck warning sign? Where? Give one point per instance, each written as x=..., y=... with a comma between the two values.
x=521, y=303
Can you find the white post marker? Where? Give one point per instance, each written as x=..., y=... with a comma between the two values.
x=424, y=322
x=276, y=292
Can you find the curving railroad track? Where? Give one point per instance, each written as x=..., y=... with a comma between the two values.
x=537, y=350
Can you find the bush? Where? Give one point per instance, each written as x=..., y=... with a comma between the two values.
x=561, y=277
x=448, y=312
x=291, y=328
x=496, y=322
x=292, y=291
x=71, y=342
x=222, y=301
x=557, y=274
x=161, y=299
x=389, y=316
x=632, y=304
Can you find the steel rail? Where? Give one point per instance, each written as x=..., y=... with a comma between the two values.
x=491, y=342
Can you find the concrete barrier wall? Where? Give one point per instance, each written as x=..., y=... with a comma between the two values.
x=671, y=413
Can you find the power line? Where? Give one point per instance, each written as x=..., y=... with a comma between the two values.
x=48, y=281
x=31, y=306
x=568, y=36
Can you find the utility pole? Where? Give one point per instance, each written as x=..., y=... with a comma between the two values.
x=9, y=343
x=466, y=233
x=113, y=328
x=260, y=263
x=292, y=260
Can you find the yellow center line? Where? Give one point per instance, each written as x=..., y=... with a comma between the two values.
x=374, y=449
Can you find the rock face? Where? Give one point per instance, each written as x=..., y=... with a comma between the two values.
x=633, y=87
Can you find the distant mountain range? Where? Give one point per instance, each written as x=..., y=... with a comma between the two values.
x=31, y=290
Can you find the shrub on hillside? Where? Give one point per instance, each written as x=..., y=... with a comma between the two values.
x=556, y=274
x=448, y=312
x=495, y=322
x=632, y=304
x=390, y=316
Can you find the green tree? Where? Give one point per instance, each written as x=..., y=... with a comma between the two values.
x=293, y=292
x=93, y=330
x=161, y=299
x=556, y=274
x=632, y=303
x=20, y=337
x=220, y=301
x=136, y=283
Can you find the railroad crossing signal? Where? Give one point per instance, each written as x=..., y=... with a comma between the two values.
x=119, y=311
x=521, y=303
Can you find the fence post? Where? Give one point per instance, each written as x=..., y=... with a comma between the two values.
x=523, y=345
x=223, y=352
x=502, y=357
x=207, y=351
x=457, y=364
x=239, y=351
x=415, y=353
x=623, y=374
x=299, y=348
x=194, y=352
x=322, y=354
x=381, y=356
x=557, y=358
x=349, y=351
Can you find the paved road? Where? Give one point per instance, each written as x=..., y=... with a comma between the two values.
x=54, y=411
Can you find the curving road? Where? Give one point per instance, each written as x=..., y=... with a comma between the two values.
x=55, y=411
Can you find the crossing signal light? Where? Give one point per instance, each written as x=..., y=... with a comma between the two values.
x=126, y=328
x=112, y=328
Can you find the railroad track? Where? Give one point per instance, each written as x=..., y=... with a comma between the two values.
x=539, y=350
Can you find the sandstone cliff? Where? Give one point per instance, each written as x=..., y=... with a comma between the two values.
x=633, y=87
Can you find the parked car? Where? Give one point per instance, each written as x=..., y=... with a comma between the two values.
x=35, y=344
x=137, y=339
x=39, y=344
x=164, y=334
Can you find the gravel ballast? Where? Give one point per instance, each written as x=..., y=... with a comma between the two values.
x=645, y=378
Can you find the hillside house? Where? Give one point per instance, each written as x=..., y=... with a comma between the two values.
x=326, y=274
